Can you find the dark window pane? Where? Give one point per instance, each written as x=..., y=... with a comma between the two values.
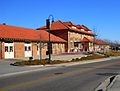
x=29, y=48
x=25, y=48
x=6, y=48
x=11, y=48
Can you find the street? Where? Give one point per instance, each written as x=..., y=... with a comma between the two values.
x=84, y=77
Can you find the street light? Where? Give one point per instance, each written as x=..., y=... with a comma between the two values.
x=48, y=23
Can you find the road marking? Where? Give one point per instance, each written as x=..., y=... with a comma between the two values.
x=40, y=80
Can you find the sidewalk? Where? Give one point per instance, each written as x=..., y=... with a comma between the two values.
x=7, y=70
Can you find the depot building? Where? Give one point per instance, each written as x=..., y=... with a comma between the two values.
x=19, y=42
x=65, y=37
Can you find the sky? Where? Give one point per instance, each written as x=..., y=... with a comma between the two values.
x=101, y=16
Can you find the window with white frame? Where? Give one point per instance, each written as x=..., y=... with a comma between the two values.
x=27, y=47
x=6, y=48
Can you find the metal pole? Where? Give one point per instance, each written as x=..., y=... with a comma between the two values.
x=49, y=47
x=49, y=43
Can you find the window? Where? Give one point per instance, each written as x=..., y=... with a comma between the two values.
x=74, y=27
x=82, y=30
x=25, y=48
x=29, y=48
x=75, y=44
x=11, y=49
x=6, y=48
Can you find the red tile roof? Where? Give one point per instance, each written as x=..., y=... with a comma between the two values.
x=85, y=28
x=101, y=42
x=68, y=23
x=44, y=35
x=7, y=31
x=59, y=25
x=86, y=40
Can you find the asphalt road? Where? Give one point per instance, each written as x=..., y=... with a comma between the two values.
x=84, y=77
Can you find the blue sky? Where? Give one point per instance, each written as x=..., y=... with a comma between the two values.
x=102, y=16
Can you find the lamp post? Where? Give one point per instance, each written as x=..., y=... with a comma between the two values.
x=48, y=23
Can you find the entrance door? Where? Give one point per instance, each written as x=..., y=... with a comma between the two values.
x=85, y=47
x=9, y=50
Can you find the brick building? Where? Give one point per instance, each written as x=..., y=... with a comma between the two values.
x=101, y=46
x=79, y=37
x=19, y=42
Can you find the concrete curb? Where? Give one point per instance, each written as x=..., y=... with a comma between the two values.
x=79, y=62
x=110, y=85
x=106, y=84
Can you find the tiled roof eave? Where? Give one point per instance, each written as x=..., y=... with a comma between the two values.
x=82, y=32
x=28, y=40
x=16, y=39
x=58, y=41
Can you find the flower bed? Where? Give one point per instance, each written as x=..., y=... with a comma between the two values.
x=38, y=62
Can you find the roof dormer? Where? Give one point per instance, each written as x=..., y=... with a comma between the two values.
x=73, y=27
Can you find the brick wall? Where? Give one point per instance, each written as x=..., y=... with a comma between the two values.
x=34, y=50
x=3, y=51
x=44, y=49
x=19, y=50
x=58, y=48
x=62, y=34
x=0, y=49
